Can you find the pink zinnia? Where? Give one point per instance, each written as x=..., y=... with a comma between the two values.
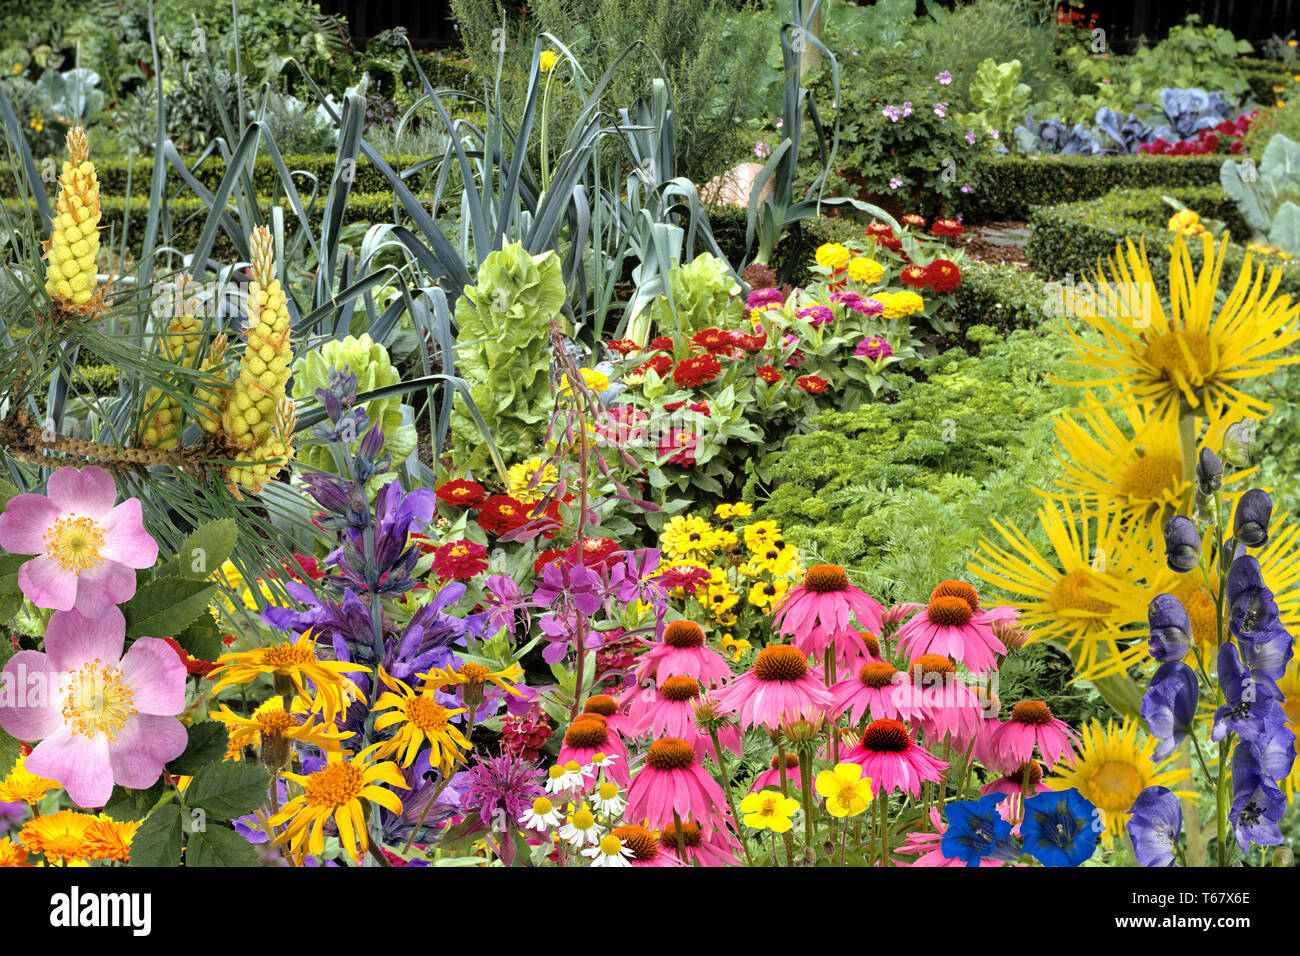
x=779, y=687
x=101, y=717
x=819, y=611
x=589, y=735
x=1032, y=725
x=682, y=653
x=87, y=548
x=671, y=713
x=948, y=707
x=953, y=625
x=673, y=782
x=892, y=760
x=772, y=776
x=878, y=690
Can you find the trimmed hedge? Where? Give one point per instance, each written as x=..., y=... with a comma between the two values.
x=1263, y=75
x=1011, y=186
x=1071, y=238
x=997, y=295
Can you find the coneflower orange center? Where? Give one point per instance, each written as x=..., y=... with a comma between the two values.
x=589, y=730
x=933, y=664
x=684, y=634
x=791, y=761
x=680, y=688
x=780, y=662
x=949, y=611
x=1035, y=771
x=337, y=785
x=877, y=674
x=872, y=642
x=670, y=753
x=639, y=840
x=691, y=835
x=886, y=736
x=826, y=578
x=601, y=704
x=1031, y=712
x=957, y=589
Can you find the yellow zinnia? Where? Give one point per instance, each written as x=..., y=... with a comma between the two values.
x=832, y=255
x=520, y=480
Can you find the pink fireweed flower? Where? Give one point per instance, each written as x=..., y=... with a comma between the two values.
x=1032, y=725
x=771, y=777
x=878, y=690
x=893, y=761
x=953, y=625
x=87, y=548
x=682, y=653
x=778, y=687
x=101, y=717
x=588, y=736
x=819, y=610
x=673, y=782
x=926, y=846
x=672, y=714
x=947, y=706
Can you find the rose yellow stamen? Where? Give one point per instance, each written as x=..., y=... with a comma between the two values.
x=75, y=543
x=97, y=701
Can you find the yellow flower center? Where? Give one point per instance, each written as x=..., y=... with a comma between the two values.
x=97, y=700
x=542, y=806
x=611, y=845
x=1071, y=593
x=337, y=785
x=275, y=723
x=1169, y=352
x=556, y=772
x=608, y=791
x=1200, y=610
x=74, y=542
x=426, y=714
x=1115, y=786
x=584, y=820
x=1151, y=478
x=285, y=657
x=474, y=673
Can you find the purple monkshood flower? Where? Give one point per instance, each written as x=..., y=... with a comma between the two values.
x=1251, y=709
x=760, y=298
x=970, y=137
x=1250, y=520
x=1171, y=628
x=1253, y=618
x=1257, y=803
x=944, y=78
x=1182, y=544
x=895, y=182
x=817, y=315
x=941, y=110
x=874, y=348
x=1155, y=826
x=1273, y=752
x=1169, y=706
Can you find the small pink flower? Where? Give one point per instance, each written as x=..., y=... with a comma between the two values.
x=941, y=110
x=87, y=548
x=101, y=717
x=970, y=137
x=944, y=78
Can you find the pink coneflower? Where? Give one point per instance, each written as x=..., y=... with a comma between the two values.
x=671, y=713
x=780, y=686
x=645, y=847
x=771, y=777
x=947, y=706
x=926, y=845
x=606, y=706
x=716, y=849
x=892, y=760
x=1013, y=785
x=588, y=736
x=953, y=625
x=1032, y=725
x=878, y=690
x=673, y=782
x=819, y=611
x=682, y=653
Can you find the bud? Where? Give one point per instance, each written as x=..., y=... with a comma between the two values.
x=1209, y=472
x=1013, y=638
x=709, y=717
x=1171, y=628
x=803, y=734
x=1182, y=544
x=1237, y=441
x=1250, y=523
x=1283, y=856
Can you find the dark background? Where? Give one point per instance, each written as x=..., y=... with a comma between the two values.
x=429, y=24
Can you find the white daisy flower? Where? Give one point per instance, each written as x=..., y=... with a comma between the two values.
x=581, y=829
x=556, y=780
x=542, y=815
x=610, y=851
x=598, y=761
x=607, y=800
x=574, y=776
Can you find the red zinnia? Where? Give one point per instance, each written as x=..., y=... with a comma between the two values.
x=548, y=556
x=880, y=229
x=812, y=384
x=698, y=370
x=947, y=227
x=750, y=343
x=459, y=560
x=502, y=513
x=943, y=275
x=915, y=221
x=713, y=340
x=661, y=363
x=461, y=493
x=915, y=276
x=768, y=374
x=661, y=343
x=623, y=346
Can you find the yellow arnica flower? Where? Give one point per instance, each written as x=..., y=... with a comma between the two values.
x=866, y=271
x=832, y=255
x=1289, y=685
x=1090, y=594
x=337, y=791
x=271, y=725
x=1189, y=354
x=520, y=477
x=546, y=62
x=768, y=810
x=60, y=837
x=12, y=854
x=471, y=677
x=846, y=792
x=297, y=663
x=685, y=538
x=109, y=839
x=418, y=717
x=73, y=246
x=1113, y=768
x=24, y=787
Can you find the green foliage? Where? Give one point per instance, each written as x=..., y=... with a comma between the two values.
x=1043, y=672
x=1192, y=55
x=1000, y=296
x=165, y=606
x=207, y=744
x=1284, y=120
x=158, y=841
x=370, y=363
x=228, y=789
x=900, y=492
x=997, y=96
x=702, y=292
x=1266, y=195
x=504, y=352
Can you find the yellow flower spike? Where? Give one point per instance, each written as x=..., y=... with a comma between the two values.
x=73, y=247
x=264, y=462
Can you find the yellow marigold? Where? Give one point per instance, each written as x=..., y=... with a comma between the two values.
x=866, y=271
x=12, y=854
x=832, y=255
x=59, y=837
x=109, y=839
x=520, y=477
x=21, y=786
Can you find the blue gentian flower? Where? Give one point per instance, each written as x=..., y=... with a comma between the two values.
x=1155, y=826
x=1060, y=828
x=975, y=831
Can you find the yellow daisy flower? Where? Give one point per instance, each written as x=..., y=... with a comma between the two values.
x=733, y=648
x=418, y=717
x=272, y=727
x=24, y=787
x=520, y=477
x=292, y=665
x=740, y=509
x=761, y=533
x=766, y=595
x=471, y=677
x=59, y=837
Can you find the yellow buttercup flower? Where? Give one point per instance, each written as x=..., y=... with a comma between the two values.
x=832, y=255
x=73, y=247
x=418, y=717
x=846, y=792
x=21, y=786
x=338, y=791
x=295, y=663
x=768, y=810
